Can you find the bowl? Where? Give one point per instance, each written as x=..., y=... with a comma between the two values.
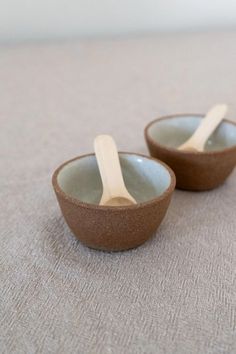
x=78, y=188
x=195, y=171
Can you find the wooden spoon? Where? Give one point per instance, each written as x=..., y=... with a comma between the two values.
x=208, y=125
x=114, y=189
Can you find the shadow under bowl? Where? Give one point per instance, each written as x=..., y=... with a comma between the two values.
x=78, y=188
x=195, y=171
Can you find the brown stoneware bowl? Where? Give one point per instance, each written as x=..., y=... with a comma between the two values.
x=195, y=171
x=78, y=188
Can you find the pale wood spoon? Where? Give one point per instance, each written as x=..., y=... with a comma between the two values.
x=208, y=125
x=114, y=190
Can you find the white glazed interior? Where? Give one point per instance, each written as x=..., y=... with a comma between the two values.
x=145, y=179
x=172, y=132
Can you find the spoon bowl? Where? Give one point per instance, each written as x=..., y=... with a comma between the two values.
x=115, y=192
x=205, y=129
x=194, y=170
x=78, y=187
x=118, y=201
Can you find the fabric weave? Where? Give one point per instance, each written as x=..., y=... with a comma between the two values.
x=176, y=293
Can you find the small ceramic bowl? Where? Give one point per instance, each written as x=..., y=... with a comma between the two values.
x=194, y=170
x=78, y=188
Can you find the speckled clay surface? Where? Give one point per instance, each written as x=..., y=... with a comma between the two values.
x=115, y=228
x=194, y=170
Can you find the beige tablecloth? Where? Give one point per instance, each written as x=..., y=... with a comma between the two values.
x=176, y=293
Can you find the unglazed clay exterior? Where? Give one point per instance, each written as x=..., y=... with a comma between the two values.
x=195, y=171
x=78, y=188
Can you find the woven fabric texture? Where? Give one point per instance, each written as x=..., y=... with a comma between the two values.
x=176, y=294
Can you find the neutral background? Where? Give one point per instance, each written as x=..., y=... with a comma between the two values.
x=176, y=293
x=40, y=19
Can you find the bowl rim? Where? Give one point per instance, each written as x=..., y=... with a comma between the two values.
x=190, y=153
x=80, y=203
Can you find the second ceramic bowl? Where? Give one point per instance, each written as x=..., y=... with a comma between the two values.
x=194, y=170
x=78, y=188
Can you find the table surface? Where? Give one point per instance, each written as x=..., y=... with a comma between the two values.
x=174, y=294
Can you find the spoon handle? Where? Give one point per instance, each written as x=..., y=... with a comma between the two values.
x=206, y=128
x=109, y=166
